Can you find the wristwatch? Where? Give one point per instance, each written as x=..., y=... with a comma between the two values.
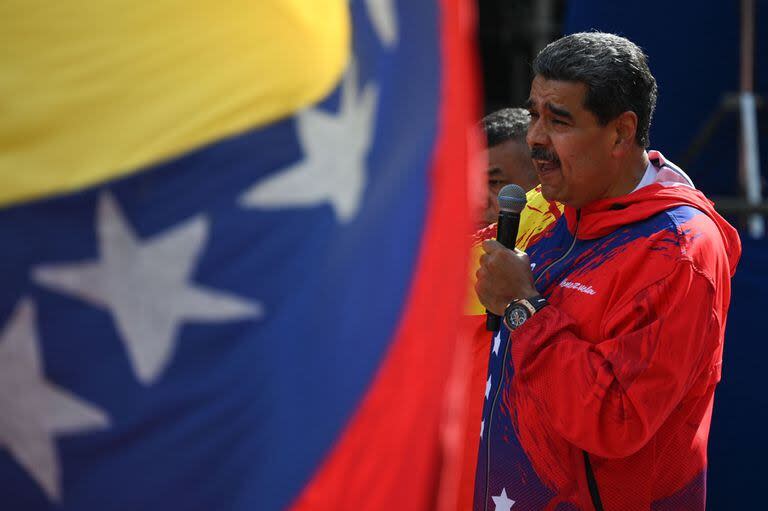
x=520, y=310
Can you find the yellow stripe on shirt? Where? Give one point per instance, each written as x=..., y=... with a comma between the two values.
x=95, y=89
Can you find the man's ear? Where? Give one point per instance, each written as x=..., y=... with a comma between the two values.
x=625, y=126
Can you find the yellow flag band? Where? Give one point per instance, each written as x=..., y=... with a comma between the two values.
x=95, y=89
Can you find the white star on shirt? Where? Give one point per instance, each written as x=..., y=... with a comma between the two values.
x=384, y=20
x=488, y=387
x=146, y=285
x=335, y=149
x=502, y=502
x=35, y=410
x=496, y=342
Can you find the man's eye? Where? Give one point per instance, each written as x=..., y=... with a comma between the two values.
x=496, y=183
x=558, y=121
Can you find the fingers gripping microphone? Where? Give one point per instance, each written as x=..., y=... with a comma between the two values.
x=511, y=203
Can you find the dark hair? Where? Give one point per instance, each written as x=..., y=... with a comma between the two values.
x=506, y=124
x=614, y=69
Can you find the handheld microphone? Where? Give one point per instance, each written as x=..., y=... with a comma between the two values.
x=511, y=202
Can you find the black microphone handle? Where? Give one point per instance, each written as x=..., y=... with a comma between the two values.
x=506, y=234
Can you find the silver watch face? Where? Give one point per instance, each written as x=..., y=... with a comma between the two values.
x=516, y=316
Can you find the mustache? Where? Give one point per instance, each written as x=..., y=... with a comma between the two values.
x=539, y=153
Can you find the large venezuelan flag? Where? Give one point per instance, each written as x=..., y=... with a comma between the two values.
x=233, y=252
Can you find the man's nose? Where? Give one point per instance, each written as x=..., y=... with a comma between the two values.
x=537, y=135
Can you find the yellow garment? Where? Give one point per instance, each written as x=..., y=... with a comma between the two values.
x=534, y=218
x=94, y=89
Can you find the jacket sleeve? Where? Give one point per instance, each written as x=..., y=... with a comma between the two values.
x=610, y=397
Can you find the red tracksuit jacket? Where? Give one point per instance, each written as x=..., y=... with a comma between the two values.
x=604, y=397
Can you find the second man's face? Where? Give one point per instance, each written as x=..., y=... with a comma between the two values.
x=508, y=162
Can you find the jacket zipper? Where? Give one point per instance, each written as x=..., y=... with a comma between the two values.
x=504, y=368
x=594, y=491
x=567, y=252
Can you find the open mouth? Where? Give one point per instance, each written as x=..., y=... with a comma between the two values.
x=546, y=161
x=547, y=166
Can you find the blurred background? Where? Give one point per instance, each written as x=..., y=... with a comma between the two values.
x=707, y=55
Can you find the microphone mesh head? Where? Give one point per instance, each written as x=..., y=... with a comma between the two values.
x=512, y=199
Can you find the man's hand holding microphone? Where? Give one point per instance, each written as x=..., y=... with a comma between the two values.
x=504, y=277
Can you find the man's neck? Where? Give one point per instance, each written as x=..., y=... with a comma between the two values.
x=636, y=165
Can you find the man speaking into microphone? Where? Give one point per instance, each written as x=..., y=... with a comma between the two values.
x=600, y=394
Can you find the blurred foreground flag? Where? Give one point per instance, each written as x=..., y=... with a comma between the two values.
x=233, y=240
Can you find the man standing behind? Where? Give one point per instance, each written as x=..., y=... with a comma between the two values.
x=508, y=157
x=601, y=396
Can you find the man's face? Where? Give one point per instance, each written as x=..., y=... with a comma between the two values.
x=508, y=162
x=571, y=151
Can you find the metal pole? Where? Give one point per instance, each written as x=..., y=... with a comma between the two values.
x=749, y=157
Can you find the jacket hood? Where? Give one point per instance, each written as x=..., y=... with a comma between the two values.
x=672, y=188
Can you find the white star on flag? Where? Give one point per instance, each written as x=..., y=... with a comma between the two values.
x=502, y=502
x=335, y=149
x=384, y=19
x=482, y=428
x=496, y=342
x=488, y=387
x=34, y=410
x=146, y=285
